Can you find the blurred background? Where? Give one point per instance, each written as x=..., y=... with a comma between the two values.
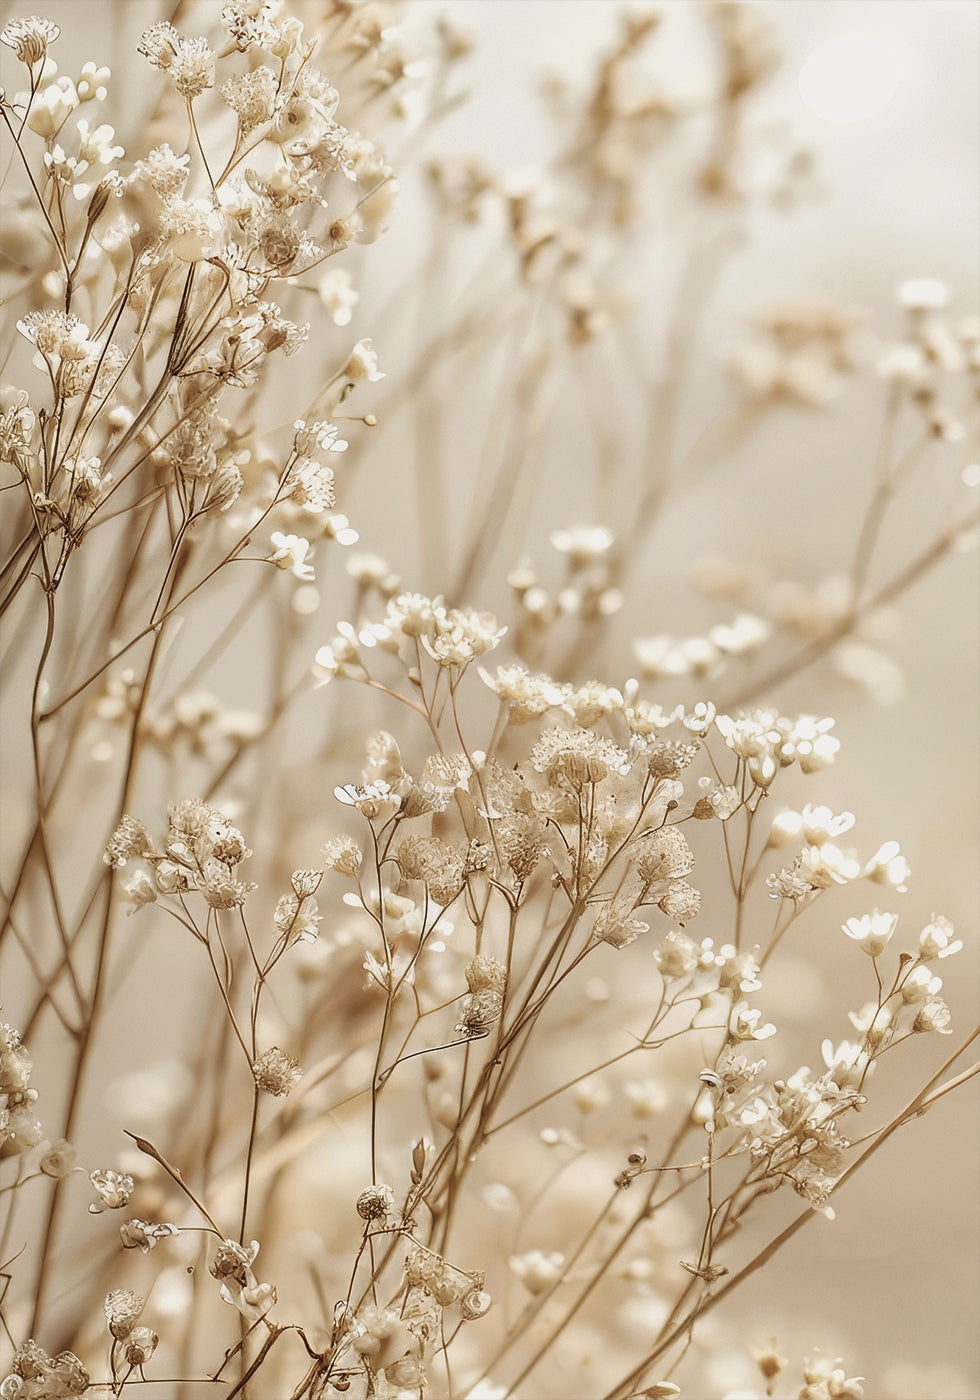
x=883, y=98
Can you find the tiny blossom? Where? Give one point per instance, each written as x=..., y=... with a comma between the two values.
x=616, y=924
x=460, y=635
x=189, y=62
x=311, y=485
x=848, y=1063
x=52, y=107
x=163, y=170
x=935, y=1015
x=744, y=1024
x=290, y=552
x=362, y=363
x=538, y=1271
x=297, y=918
x=276, y=1073
x=337, y=292
x=95, y=144
x=816, y=825
x=871, y=932
x=91, y=83
x=343, y=854
x=480, y=1013
x=919, y=985
x=826, y=1379
x=744, y=634
x=526, y=695
x=681, y=901
x=936, y=940
x=676, y=956
x=375, y=801
x=252, y=97
x=888, y=867
x=30, y=38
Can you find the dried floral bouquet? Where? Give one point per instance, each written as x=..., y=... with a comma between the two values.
x=475, y=1044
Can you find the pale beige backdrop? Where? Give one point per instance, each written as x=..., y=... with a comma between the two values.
x=895, y=1279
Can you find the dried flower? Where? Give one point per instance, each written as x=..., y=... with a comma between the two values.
x=276, y=1073
x=376, y=1203
x=123, y=1309
x=30, y=38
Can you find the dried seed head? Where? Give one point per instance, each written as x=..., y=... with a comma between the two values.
x=276, y=1073
x=30, y=38
x=376, y=1203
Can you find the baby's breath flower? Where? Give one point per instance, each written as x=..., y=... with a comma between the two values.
x=744, y=1024
x=311, y=485
x=847, y=1062
x=189, y=62
x=130, y=840
x=233, y=1260
x=459, y=635
x=30, y=38
x=936, y=939
x=676, y=956
x=935, y=1015
x=681, y=901
x=918, y=986
x=526, y=695
x=663, y=854
x=291, y=552
x=298, y=918
x=362, y=363
x=276, y=1073
x=252, y=97
x=616, y=923
x=871, y=932
x=815, y=825
x=376, y=1203
x=342, y=853
x=91, y=82
x=375, y=801
x=52, y=107
x=888, y=867
x=165, y=172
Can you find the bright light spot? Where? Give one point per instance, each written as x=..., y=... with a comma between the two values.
x=848, y=79
x=971, y=475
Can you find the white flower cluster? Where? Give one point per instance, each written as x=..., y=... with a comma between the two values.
x=452, y=637
x=201, y=852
